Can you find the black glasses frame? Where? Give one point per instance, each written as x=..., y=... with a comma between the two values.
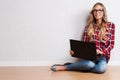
x=99, y=10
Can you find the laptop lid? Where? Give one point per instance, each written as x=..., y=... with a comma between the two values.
x=83, y=50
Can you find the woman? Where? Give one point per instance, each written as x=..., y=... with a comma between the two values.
x=99, y=31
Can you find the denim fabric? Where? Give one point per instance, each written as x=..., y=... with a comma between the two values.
x=100, y=66
x=87, y=65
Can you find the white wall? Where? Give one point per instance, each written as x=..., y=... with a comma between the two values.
x=37, y=32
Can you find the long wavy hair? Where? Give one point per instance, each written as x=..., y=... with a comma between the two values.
x=92, y=22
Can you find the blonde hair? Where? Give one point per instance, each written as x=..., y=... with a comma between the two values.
x=92, y=22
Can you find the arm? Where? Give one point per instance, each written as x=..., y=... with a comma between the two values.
x=85, y=36
x=112, y=37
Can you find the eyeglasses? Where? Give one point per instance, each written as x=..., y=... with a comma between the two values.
x=99, y=11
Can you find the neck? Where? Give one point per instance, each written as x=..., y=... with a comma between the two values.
x=98, y=22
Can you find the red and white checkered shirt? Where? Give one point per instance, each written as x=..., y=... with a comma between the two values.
x=104, y=46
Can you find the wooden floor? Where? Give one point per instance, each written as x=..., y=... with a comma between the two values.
x=44, y=73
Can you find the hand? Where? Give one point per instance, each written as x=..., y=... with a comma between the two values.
x=99, y=52
x=71, y=52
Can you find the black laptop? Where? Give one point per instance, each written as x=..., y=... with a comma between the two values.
x=83, y=50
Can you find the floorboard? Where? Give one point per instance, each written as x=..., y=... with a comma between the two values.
x=44, y=73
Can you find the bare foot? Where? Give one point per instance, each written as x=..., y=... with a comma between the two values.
x=58, y=68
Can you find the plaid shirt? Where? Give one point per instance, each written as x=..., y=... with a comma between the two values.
x=104, y=46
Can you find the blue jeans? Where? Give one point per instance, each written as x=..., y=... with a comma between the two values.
x=87, y=65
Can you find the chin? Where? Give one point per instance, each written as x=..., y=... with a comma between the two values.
x=97, y=18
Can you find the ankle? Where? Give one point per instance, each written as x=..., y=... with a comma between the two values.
x=61, y=68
